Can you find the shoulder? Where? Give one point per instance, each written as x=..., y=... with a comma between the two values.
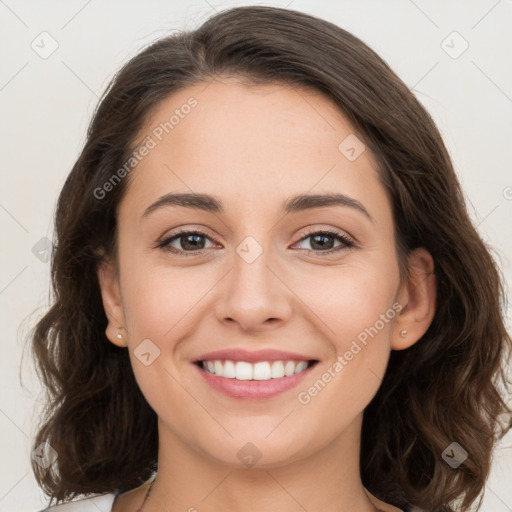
x=96, y=503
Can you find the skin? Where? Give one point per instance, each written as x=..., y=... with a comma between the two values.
x=253, y=147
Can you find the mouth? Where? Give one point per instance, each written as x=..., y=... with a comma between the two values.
x=253, y=381
x=260, y=371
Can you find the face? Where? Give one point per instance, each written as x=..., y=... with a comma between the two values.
x=317, y=282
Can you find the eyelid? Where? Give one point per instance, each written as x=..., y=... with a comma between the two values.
x=307, y=231
x=190, y=228
x=348, y=241
x=173, y=235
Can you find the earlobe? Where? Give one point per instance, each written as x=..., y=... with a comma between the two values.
x=418, y=299
x=112, y=304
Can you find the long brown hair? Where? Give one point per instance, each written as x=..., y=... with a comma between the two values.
x=444, y=389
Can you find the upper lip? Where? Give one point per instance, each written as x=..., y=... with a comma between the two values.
x=254, y=356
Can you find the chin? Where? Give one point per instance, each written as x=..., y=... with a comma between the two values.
x=260, y=453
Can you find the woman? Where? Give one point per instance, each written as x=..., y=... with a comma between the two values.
x=268, y=291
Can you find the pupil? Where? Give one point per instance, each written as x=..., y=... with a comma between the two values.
x=193, y=245
x=321, y=245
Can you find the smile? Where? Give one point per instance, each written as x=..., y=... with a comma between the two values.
x=263, y=370
x=256, y=381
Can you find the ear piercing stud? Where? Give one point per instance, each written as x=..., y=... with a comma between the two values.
x=402, y=333
x=120, y=336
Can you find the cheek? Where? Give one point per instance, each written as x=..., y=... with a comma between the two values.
x=159, y=310
x=357, y=308
x=344, y=302
x=157, y=299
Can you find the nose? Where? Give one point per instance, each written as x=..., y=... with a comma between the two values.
x=254, y=296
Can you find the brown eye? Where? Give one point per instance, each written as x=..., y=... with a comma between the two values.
x=323, y=242
x=187, y=241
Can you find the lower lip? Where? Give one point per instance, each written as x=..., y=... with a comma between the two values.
x=253, y=389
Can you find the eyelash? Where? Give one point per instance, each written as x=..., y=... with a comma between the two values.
x=347, y=243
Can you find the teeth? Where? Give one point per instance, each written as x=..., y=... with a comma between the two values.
x=243, y=371
x=264, y=370
x=301, y=366
x=289, y=368
x=277, y=370
x=229, y=370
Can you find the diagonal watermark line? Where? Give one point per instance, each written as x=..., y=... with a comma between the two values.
x=487, y=216
x=120, y=324
x=13, y=423
x=13, y=13
x=12, y=488
x=311, y=188
x=76, y=14
x=207, y=85
x=100, y=509
x=198, y=402
x=492, y=81
x=485, y=15
x=211, y=6
x=424, y=14
x=216, y=216
x=314, y=108
x=286, y=490
x=371, y=371
x=192, y=307
x=14, y=76
x=216, y=487
x=12, y=280
x=487, y=487
x=277, y=426
x=13, y=217
x=80, y=79
x=300, y=299
x=424, y=76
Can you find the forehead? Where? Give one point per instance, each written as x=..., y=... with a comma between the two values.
x=249, y=143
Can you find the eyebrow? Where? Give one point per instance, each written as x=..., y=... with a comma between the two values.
x=293, y=204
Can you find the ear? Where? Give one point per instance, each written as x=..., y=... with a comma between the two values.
x=112, y=304
x=417, y=296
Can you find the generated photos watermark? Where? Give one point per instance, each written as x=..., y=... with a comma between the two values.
x=305, y=396
x=143, y=150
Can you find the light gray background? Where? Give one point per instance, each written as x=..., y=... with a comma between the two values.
x=46, y=104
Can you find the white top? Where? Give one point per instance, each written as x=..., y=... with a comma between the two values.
x=96, y=503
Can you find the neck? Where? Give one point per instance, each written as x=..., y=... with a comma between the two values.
x=328, y=479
